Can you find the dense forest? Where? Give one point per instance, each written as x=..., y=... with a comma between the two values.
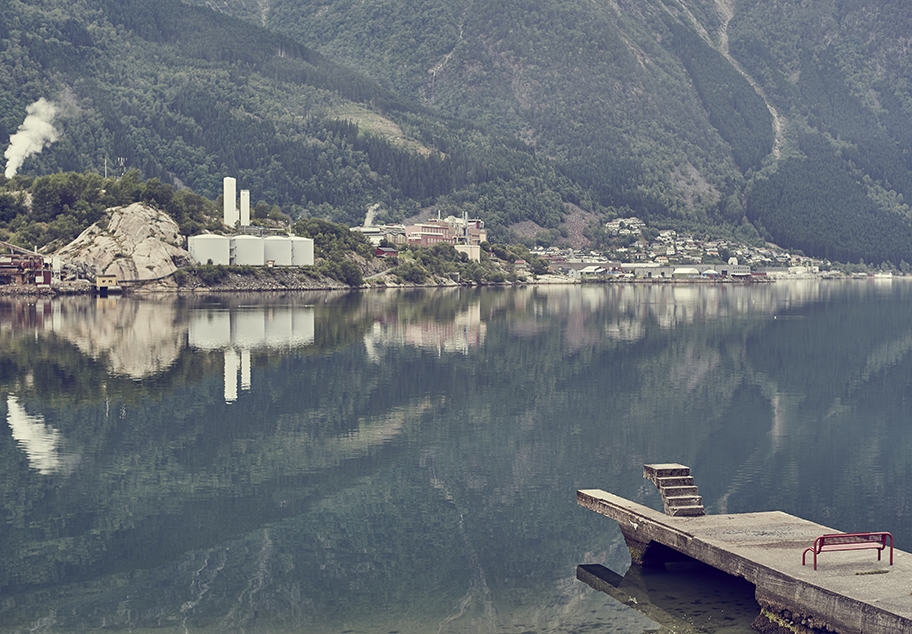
x=687, y=115
x=678, y=111
x=187, y=96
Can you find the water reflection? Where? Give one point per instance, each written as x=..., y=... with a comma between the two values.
x=134, y=339
x=39, y=441
x=239, y=330
x=685, y=598
x=408, y=460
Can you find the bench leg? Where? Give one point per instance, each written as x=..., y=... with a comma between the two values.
x=804, y=555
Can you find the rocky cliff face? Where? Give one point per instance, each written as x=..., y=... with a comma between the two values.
x=135, y=243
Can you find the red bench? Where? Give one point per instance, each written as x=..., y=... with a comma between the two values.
x=850, y=541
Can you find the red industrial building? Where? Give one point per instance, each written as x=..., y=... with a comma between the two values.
x=22, y=267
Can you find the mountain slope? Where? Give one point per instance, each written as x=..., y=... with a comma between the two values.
x=600, y=87
x=790, y=116
x=670, y=107
x=190, y=96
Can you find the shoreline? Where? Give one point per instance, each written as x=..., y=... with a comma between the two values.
x=273, y=283
x=157, y=287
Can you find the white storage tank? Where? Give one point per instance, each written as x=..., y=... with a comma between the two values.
x=210, y=247
x=278, y=249
x=302, y=251
x=247, y=250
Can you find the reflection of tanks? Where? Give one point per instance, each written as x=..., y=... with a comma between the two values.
x=252, y=328
x=238, y=331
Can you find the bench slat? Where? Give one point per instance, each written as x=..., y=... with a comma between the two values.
x=858, y=546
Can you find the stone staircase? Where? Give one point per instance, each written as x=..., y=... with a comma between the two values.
x=677, y=488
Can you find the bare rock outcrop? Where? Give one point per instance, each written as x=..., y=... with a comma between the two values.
x=135, y=243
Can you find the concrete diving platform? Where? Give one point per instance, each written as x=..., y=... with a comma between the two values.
x=851, y=592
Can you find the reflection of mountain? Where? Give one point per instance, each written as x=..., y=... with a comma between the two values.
x=133, y=338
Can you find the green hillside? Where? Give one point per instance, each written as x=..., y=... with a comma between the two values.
x=647, y=103
x=793, y=117
x=189, y=96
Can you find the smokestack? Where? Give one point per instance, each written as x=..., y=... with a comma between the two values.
x=229, y=200
x=245, y=207
x=35, y=134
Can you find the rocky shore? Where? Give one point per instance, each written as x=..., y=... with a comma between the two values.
x=297, y=279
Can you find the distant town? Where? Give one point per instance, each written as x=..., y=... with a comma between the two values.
x=637, y=252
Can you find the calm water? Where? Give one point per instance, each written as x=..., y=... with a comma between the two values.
x=407, y=462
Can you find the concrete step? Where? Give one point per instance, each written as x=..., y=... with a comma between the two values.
x=680, y=481
x=664, y=470
x=683, y=500
x=678, y=491
x=686, y=511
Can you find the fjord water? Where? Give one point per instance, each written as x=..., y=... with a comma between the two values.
x=408, y=461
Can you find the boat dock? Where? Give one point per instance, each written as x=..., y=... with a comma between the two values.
x=851, y=592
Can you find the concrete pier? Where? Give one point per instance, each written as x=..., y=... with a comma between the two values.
x=851, y=592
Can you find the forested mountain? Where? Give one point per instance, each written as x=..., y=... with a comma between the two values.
x=188, y=96
x=788, y=119
x=797, y=114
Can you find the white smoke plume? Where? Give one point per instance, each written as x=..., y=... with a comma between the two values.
x=36, y=133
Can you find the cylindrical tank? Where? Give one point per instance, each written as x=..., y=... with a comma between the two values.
x=210, y=247
x=278, y=249
x=247, y=250
x=229, y=198
x=302, y=251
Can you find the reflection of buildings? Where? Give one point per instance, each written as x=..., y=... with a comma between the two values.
x=239, y=331
x=464, y=331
